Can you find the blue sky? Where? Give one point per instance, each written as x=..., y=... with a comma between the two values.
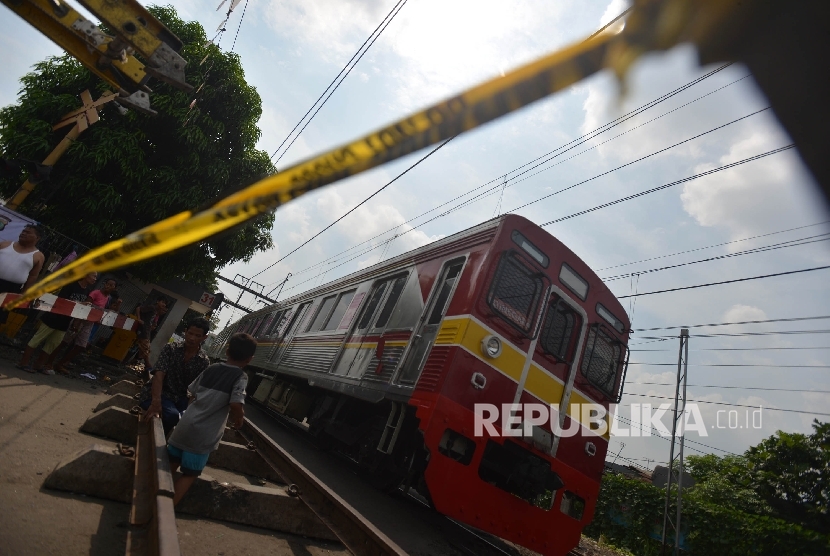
x=292, y=49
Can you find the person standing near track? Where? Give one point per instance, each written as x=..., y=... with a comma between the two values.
x=53, y=327
x=20, y=261
x=177, y=366
x=81, y=330
x=218, y=391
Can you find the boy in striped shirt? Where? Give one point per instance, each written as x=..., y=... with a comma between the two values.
x=218, y=391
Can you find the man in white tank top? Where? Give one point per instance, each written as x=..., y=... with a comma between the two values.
x=20, y=261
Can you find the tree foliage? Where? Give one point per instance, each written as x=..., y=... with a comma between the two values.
x=127, y=172
x=772, y=500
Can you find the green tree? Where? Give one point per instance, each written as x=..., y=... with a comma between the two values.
x=127, y=172
x=791, y=472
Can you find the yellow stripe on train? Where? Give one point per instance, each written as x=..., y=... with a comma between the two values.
x=468, y=332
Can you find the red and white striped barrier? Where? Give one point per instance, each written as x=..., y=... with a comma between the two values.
x=51, y=303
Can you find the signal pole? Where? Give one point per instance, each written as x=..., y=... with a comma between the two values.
x=677, y=430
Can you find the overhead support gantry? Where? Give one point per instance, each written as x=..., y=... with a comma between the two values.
x=112, y=57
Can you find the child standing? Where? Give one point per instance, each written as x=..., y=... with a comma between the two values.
x=219, y=390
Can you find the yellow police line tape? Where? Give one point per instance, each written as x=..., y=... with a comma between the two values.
x=466, y=111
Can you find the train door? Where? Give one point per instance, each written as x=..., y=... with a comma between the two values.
x=286, y=330
x=430, y=322
x=366, y=335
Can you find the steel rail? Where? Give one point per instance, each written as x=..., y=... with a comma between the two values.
x=354, y=531
x=152, y=519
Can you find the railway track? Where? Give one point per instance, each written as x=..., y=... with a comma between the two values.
x=152, y=517
x=153, y=523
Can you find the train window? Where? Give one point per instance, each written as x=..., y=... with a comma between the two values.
x=516, y=291
x=322, y=313
x=391, y=301
x=604, y=357
x=339, y=310
x=276, y=319
x=372, y=305
x=559, y=329
x=286, y=320
x=618, y=325
x=573, y=281
x=446, y=289
x=530, y=249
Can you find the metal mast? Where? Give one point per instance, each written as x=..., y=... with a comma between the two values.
x=676, y=462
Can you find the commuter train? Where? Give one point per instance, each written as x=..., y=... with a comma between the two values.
x=389, y=363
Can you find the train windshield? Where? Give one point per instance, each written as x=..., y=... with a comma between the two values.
x=604, y=359
x=560, y=330
x=516, y=291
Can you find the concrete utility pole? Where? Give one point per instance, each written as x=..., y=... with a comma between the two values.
x=82, y=118
x=677, y=423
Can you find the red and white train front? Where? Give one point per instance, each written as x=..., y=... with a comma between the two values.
x=534, y=344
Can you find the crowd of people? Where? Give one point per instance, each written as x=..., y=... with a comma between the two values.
x=192, y=398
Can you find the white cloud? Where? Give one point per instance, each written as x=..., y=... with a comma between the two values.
x=768, y=193
x=742, y=313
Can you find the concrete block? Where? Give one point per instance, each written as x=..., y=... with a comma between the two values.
x=232, y=435
x=125, y=387
x=95, y=471
x=236, y=457
x=118, y=400
x=256, y=506
x=113, y=423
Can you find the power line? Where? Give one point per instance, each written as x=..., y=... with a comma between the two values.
x=715, y=245
x=735, y=405
x=736, y=335
x=628, y=422
x=580, y=183
x=792, y=319
x=665, y=186
x=242, y=17
x=734, y=349
x=773, y=247
x=730, y=387
x=637, y=160
x=348, y=69
x=567, y=147
x=354, y=208
x=727, y=282
x=736, y=365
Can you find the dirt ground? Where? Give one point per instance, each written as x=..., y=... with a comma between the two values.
x=39, y=420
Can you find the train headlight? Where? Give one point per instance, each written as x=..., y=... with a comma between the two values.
x=491, y=346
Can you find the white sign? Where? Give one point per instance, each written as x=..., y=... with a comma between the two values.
x=207, y=299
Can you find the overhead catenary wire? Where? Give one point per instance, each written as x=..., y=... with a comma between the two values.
x=344, y=73
x=801, y=411
x=354, y=208
x=628, y=198
x=715, y=245
x=561, y=150
x=764, y=276
x=763, y=348
x=672, y=184
x=238, y=27
x=683, y=180
x=771, y=366
x=730, y=387
x=687, y=440
x=735, y=323
x=733, y=335
x=772, y=247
